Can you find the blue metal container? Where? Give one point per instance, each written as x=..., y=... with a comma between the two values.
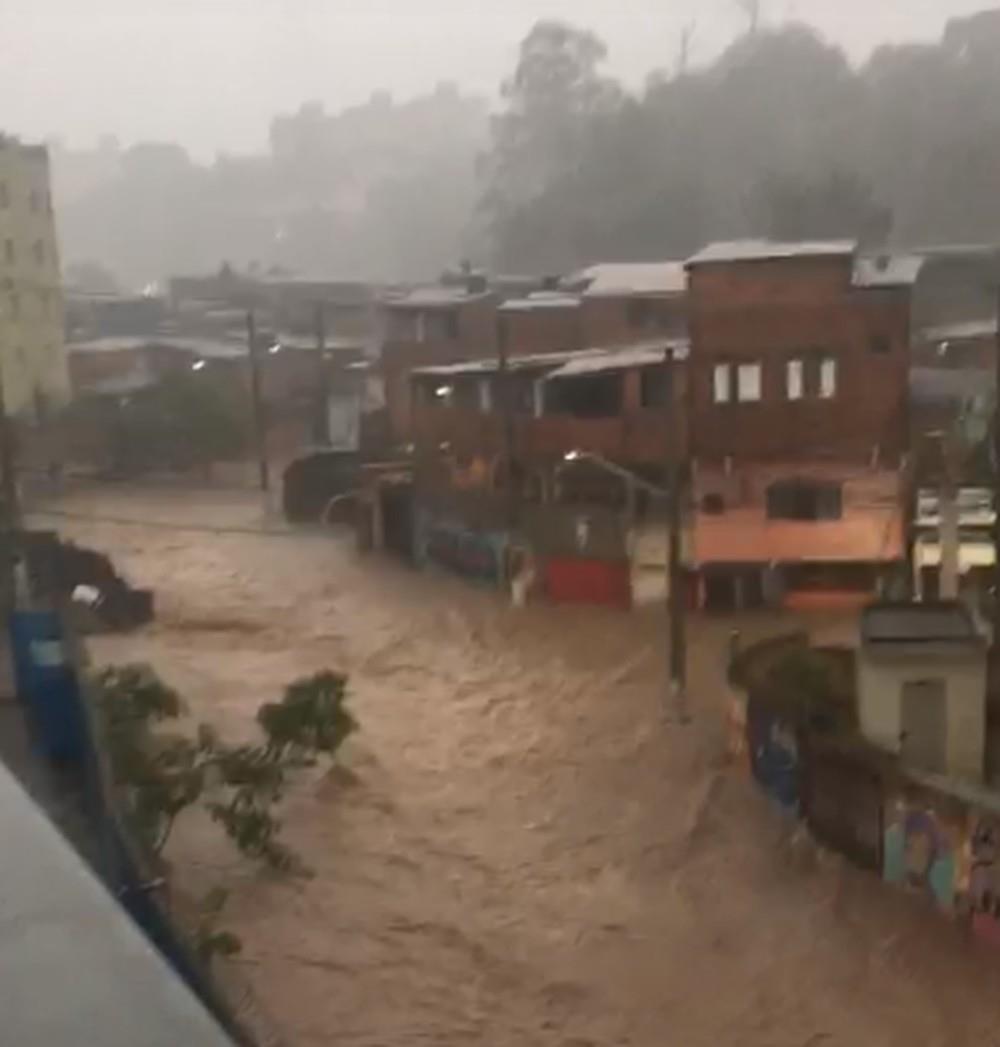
x=47, y=684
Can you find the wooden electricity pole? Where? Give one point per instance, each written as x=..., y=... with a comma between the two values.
x=257, y=403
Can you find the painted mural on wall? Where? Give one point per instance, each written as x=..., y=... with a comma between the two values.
x=982, y=875
x=774, y=756
x=478, y=555
x=920, y=851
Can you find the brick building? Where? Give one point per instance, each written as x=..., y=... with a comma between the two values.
x=798, y=351
x=540, y=322
x=430, y=326
x=618, y=404
x=798, y=380
x=626, y=302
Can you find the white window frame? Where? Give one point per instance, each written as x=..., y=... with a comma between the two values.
x=749, y=383
x=722, y=383
x=795, y=379
x=827, y=377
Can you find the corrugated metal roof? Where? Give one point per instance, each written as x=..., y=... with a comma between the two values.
x=769, y=250
x=616, y=279
x=639, y=356
x=924, y=622
x=490, y=366
x=432, y=298
x=887, y=270
x=584, y=360
x=541, y=300
x=968, y=330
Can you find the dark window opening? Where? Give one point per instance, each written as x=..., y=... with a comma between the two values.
x=804, y=500
x=4, y=195
x=880, y=345
x=654, y=386
x=713, y=505
x=819, y=577
x=590, y=396
x=465, y=394
x=451, y=324
x=502, y=332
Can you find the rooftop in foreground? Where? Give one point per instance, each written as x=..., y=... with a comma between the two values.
x=727, y=251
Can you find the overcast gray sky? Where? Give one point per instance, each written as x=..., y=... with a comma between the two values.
x=211, y=73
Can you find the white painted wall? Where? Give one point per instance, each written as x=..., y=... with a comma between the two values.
x=881, y=677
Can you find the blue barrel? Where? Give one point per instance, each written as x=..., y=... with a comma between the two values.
x=47, y=684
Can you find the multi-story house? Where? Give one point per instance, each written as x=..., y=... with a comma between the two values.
x=32, y=351
x=627, y=302
x=432, y=326
x=798, y=420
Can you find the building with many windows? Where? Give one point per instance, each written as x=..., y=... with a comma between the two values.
x=798, y=415
x=32, y=350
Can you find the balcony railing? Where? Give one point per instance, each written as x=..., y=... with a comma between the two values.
x=643, y=436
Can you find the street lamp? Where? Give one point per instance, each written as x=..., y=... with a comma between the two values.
x=633, y=479
x=198, y=365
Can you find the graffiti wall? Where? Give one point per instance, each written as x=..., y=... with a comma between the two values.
x=981, y=875
x=921, y=850
x=774, y=754
x=479, y=555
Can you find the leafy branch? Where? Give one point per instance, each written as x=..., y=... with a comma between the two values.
x=159, y=774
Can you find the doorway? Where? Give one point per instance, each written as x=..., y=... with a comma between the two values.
x=924, y=725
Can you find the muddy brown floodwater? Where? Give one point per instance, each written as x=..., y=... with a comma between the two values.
x=520, y=852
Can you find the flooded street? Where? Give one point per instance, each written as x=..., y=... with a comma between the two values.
x=520, y=850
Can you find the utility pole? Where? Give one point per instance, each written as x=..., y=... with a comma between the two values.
x=676, y=464
x=506, y=391
x=323, y=412
x=259, y=424
x=949, y=517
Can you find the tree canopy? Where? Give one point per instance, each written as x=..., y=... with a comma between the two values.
x=779, y=135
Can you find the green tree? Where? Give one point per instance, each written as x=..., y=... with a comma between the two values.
x=836, y=205
x=554, y=105
x=159, y=773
